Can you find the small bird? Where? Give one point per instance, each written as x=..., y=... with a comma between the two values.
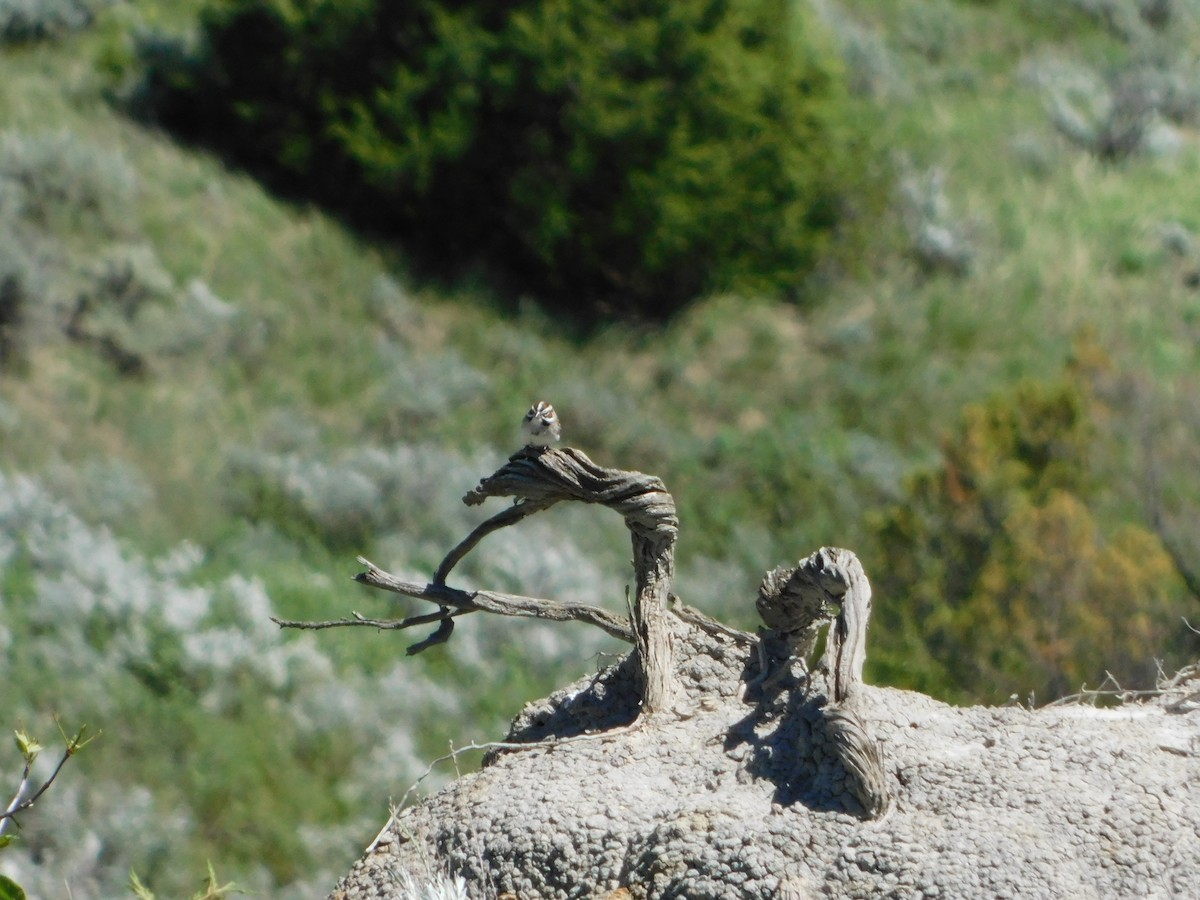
x=541, y=427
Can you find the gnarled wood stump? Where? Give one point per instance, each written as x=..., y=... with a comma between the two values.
x=794, y=603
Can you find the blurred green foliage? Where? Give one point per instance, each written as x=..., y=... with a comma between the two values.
x=1011, y=582
x=607, y=155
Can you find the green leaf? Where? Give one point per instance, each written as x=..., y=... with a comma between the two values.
x=10, y=890
x=28, y=746
x=139, y=890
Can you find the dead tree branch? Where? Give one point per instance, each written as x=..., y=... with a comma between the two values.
x=510, y=516
x=453, y=602
x=366, y=622
x=541, y=477
x=537, y=478
x=494, y=602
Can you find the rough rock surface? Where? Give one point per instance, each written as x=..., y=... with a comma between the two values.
x=735, y=793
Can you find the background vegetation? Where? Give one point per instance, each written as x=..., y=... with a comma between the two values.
x=570, y=148
x=212, y=398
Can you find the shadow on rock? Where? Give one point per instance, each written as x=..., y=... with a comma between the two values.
x=786, y=737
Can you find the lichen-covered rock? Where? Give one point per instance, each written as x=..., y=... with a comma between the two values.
x=737, y=793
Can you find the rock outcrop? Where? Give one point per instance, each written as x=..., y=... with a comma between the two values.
x=712, y=764
x=739, y=792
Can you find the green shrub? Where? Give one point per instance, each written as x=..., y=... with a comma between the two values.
x=625, y=155
x=58, y=182
x=1000, y=577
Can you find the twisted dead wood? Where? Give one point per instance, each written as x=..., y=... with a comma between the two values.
x=794, y=603
x=841, y=576
x=861, y=758
x=454, y=602
x=537, y=478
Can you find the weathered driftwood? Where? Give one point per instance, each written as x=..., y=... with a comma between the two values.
x=805, y=734
x=860, y=755
x=537, y=478
x=540, y=477
x=454, y=602
x=795, y=602
x=759, y=785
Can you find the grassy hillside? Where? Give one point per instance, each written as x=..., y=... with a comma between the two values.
x=211, y=400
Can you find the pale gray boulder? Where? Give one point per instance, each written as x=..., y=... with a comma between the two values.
x=736, y=793
x=712, y=764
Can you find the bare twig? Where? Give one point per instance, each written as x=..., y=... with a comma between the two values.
x=510, y=516
x=439, y=635
x=1184, y=696
x=359, y=619
x=537, y=478
x=1121, y=694
x=495, y=602
x=453, y=602
x=30, y=749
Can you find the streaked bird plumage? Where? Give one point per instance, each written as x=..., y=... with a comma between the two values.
x=541, y=427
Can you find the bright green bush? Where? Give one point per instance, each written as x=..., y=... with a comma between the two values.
x=627, y=155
